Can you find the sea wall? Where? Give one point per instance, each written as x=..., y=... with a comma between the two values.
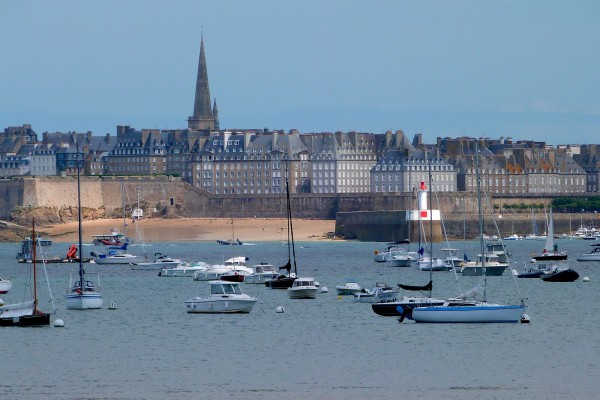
x=164, y=196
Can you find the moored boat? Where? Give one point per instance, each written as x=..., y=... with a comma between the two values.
x=303, y=288
x=593, y=255
x=349, y=288
x=225, y=298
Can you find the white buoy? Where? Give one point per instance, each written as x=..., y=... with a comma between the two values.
x=279, y=309
x=59, y=323
x=515, y=272
x=1, y=302
x=586, y=279
x=112, y=306
x=324, y=289
x=525, y=319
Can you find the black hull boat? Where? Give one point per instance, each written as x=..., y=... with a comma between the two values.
x=39, y=319
x=565, y=275
x=531, y=274
x=236, y=242
x=281, y=282
x=551, y=257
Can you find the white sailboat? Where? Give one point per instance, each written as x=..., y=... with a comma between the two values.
x=550, y=251
x=82, y=294
x=464, y=310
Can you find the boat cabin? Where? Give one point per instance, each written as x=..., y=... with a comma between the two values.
x=222, y=287
x=264, y=268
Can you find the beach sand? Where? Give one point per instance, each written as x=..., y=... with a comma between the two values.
x=196, y=229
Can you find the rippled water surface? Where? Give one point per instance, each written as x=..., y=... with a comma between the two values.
x=328, y=348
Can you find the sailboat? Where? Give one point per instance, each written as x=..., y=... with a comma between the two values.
x=285, y=281
x=403, y=307
x=27, y=312
x=81, y=293
x=464, y=309
x=550, y=251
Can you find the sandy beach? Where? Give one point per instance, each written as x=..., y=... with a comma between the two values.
x=196, y=229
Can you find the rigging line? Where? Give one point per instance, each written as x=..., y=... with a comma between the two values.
x=46, y=273
x=488, y=202
x=447, y=242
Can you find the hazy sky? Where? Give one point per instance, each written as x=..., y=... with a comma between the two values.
x=524, y=69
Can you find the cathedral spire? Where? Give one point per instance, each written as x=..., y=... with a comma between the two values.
x=202, y=119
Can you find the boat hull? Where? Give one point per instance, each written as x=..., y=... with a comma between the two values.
x=86, y=301
x=478, y=271
x=40, y=319
x=118, y=260
x=567, y=275
x=220, y=306
x=280, y=283
x=260, y=278
x=303, y=293
x=589, y=257
x=469, y=314
x=550, y=257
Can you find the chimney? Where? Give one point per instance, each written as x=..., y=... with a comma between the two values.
x=274, y=139
x=247, y=136
x=399, y=138
x=388, y=138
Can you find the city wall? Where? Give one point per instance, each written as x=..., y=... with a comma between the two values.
x=375, y=217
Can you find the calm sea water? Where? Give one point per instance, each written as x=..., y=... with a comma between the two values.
x=328, y=348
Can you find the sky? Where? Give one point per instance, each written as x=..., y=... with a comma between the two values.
x=520, y=69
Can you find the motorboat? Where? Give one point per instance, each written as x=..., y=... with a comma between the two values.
x=230, y=242
x=593, y=255
x=435, y=264
x=400, y=257
x=232, y=265
x=261, y=273
x=225, y=298
x=5, y=285
x=382, y=256
x=378, y=294
x=349, y=288
x=514, y=236
x=497, y=247
x=183, y=269
x=558, y=274
x=535, y=271
x=160, y=261
x=114, y=238
x=116, y=255
x=490, y=261
x=303, y=288
x=452, y=258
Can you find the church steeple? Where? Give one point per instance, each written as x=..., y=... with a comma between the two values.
x=203, y=118
x=215, y=113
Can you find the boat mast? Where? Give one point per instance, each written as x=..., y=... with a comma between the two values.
x=482, y=247
x=123, y=205
x=430, y=228
x=35, y=301
x=81, y=273
x=289, y=212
